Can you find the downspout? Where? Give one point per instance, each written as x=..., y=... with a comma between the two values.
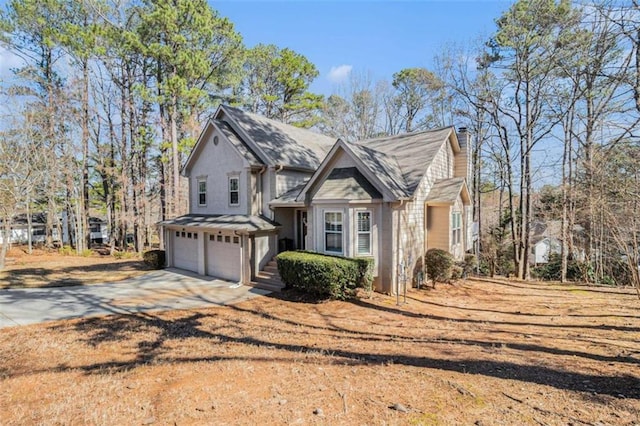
x=398, y=252
x=277, y=168
x=259, y=189
x=426, y=243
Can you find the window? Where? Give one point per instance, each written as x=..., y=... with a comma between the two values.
x=333, y=232
x=177, y=233
x=219, y=239
x=212, y=237
x=188, y=234
x=456, y=228
x=234, y=191
x=236, y=240
x=202, y=192
x=195, y=235
x=364, y=232
x=227, y=239
x=183, y=234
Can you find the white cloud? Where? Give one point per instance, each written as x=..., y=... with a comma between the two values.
x=340, y=73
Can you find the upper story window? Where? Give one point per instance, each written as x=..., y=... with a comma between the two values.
x=202, y=192
x=234, y=191
x=333, y=232
x=364, y=232
x=456, y=228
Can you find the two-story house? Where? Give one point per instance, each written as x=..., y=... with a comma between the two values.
x=257, y=186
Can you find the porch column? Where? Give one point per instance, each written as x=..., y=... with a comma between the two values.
x=202, y=254
x=246, y=260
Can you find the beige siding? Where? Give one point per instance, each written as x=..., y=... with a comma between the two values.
x=288, y=179
x=438, y=225
x=461, y=165
x=411, y=245
x=342, y=160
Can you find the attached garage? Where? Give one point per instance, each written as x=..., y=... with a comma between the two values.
x=224, y=256
x=221, y=246
x=185, y=250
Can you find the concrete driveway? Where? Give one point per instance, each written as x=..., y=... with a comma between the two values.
x=161, y=290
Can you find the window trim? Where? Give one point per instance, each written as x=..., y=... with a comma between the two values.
x=358, y=232
x=200, y=193
x=325, y=231
x=456, y=227
x=230, y=191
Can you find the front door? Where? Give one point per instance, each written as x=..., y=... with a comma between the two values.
x=301, y=229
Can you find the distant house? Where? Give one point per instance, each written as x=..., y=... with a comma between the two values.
x=543, y=247
x=20, y=230
x=258, y=186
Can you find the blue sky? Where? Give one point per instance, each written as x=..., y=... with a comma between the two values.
x=377, y=37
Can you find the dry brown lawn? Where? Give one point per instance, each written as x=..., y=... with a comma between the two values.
x=476, y=352
x=50, y=269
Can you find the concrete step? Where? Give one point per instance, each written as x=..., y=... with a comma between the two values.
x=270, y=268
x=269, y=274
x=271, y=279
x=266, y=286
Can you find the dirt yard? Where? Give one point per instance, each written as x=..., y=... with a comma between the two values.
x=50, y=269
x=477, y=352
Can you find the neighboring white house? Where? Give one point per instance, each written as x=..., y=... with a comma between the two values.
x=543, y=247
x=20, y=230
x=258, y=186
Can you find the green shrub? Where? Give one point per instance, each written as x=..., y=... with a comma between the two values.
x=155, y=259
x=324, y=276
x=439, y=265
x=86, y=253
x=552, y=270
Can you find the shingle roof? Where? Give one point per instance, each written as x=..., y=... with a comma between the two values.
x=283, y=144
x=289, y=197
x=223, y=221
x=412, y=152
x=384, y=167
x=446, y=191
x=233, y=137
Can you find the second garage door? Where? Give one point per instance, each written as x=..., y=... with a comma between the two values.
x=224, y=256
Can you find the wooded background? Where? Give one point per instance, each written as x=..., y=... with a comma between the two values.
x=112, y=94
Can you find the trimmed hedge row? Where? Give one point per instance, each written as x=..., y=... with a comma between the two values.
x=323, y=275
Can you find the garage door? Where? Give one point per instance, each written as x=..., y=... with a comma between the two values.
x=185, y=250
x=224, y=256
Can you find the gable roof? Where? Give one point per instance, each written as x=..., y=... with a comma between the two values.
x=346, y=183
x=233, y=137
x=413, y=153
x=446, y=191
x=277, y=143
x=242, y=149
x=384, y=167
x=395, y=165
